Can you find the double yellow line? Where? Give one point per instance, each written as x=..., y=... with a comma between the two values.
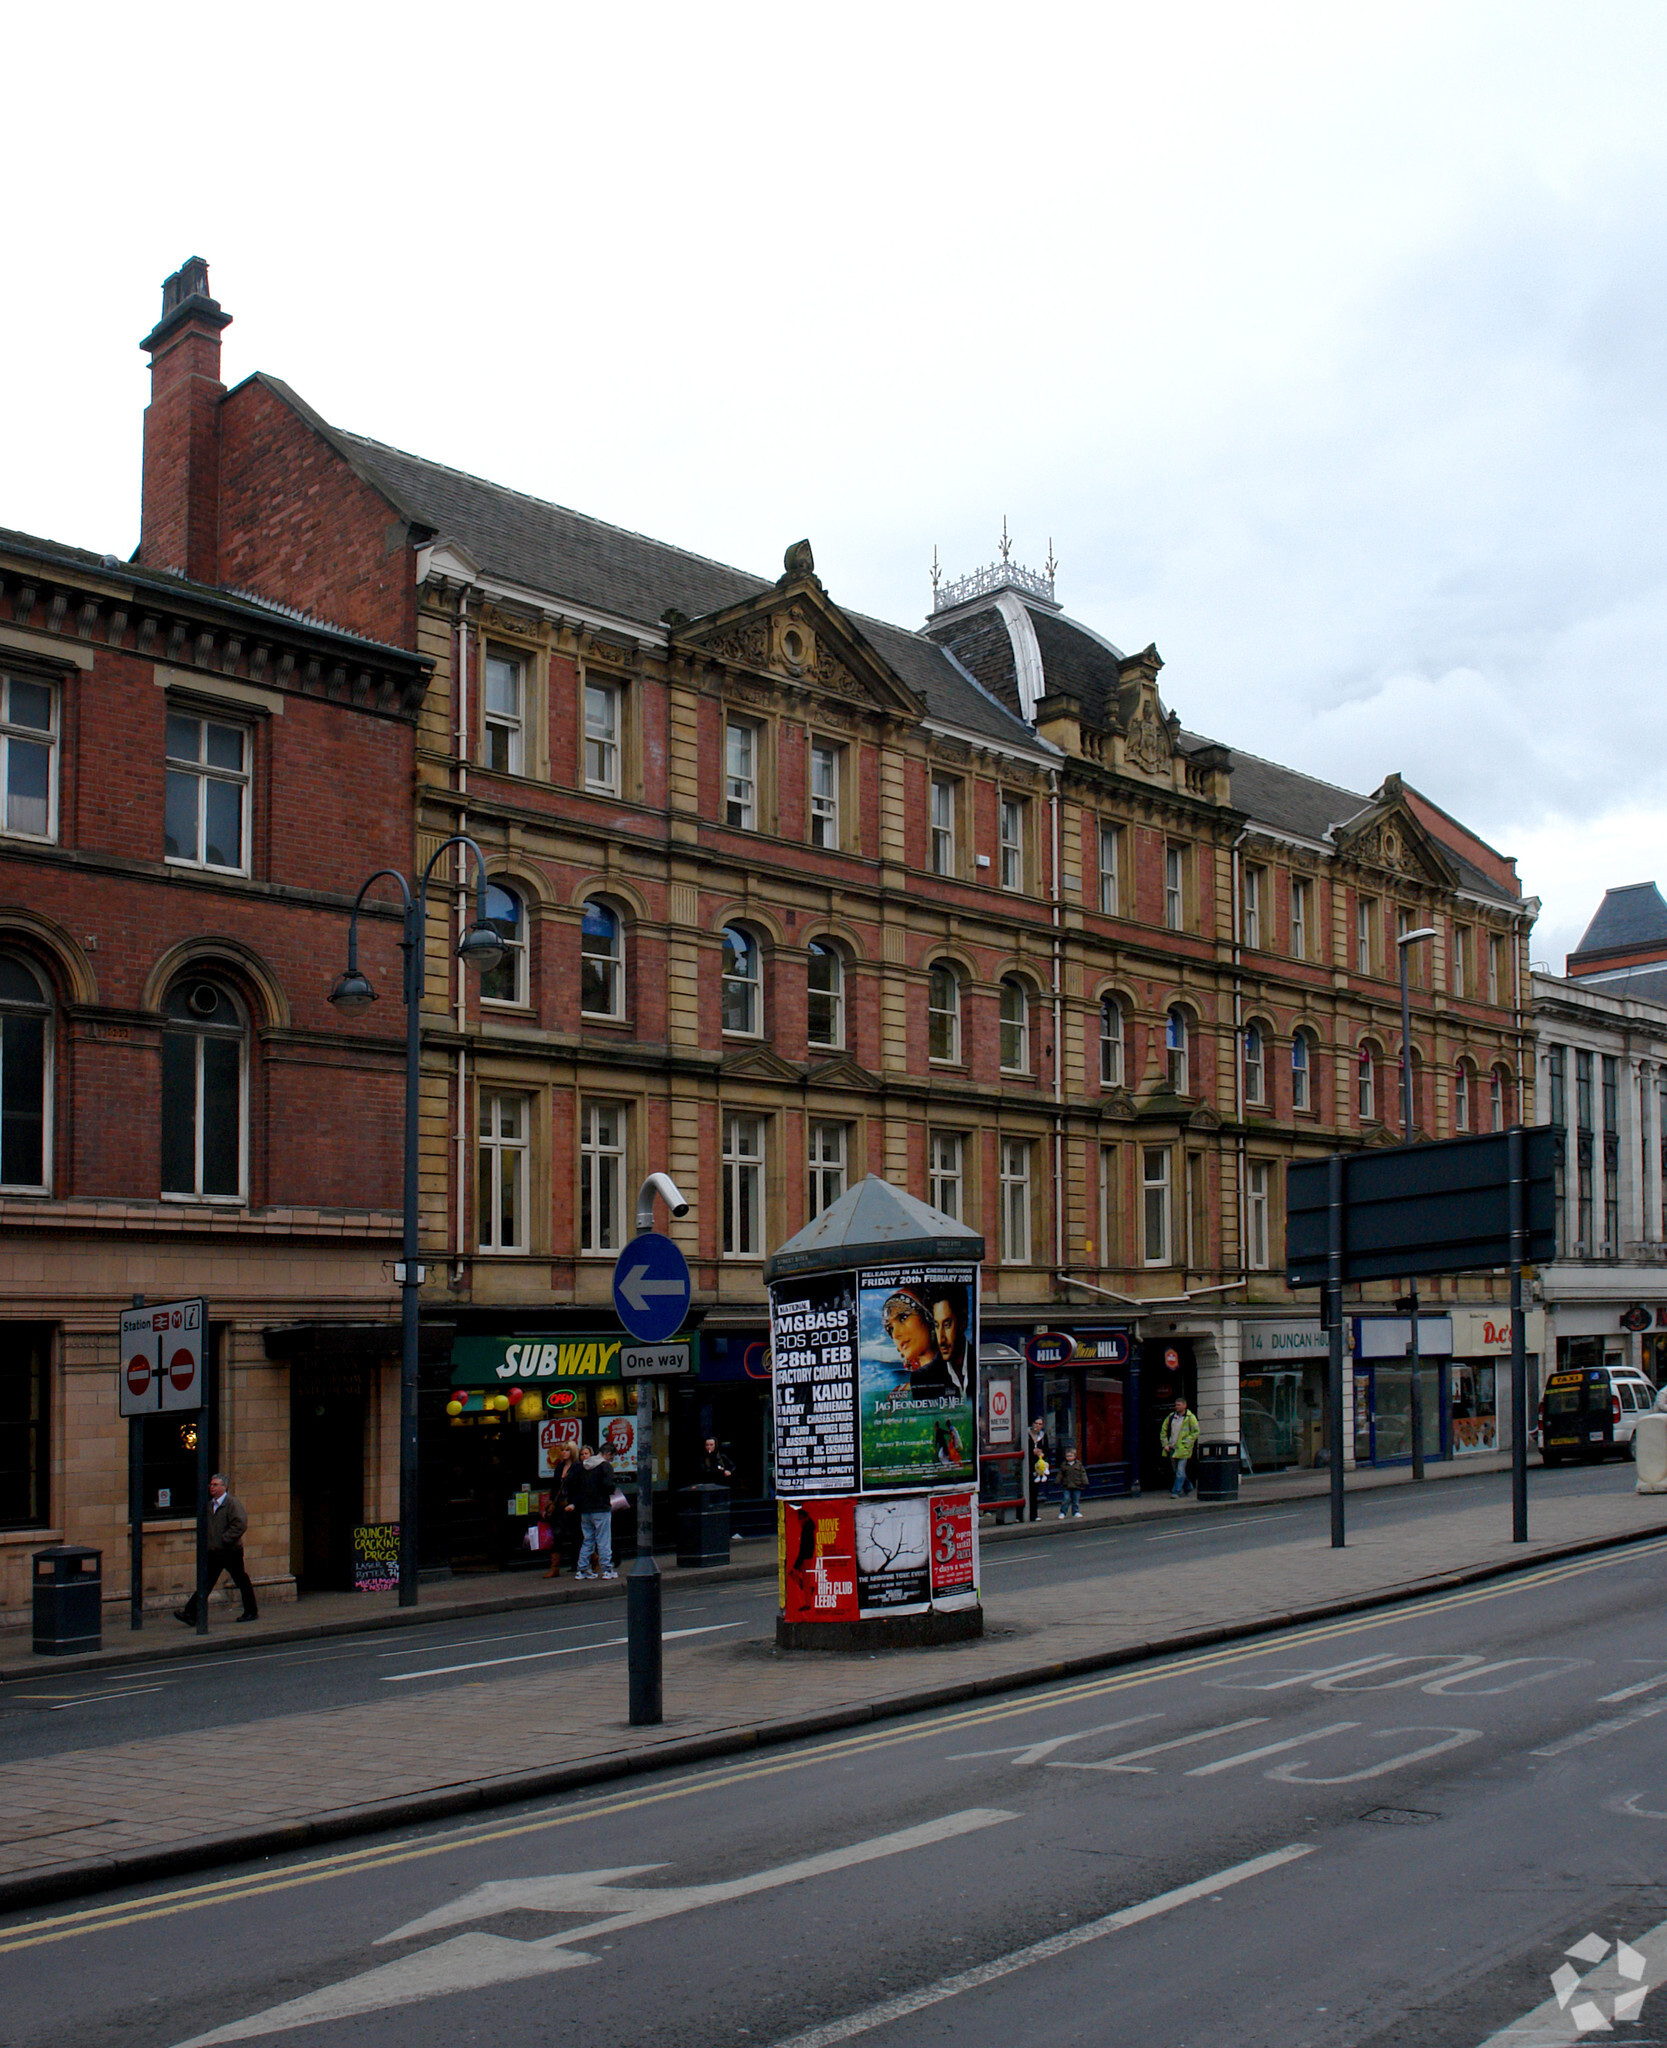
x=357, y=1862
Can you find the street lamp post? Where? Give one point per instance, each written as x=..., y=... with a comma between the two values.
x=480, y=948
x=643, y=1590
x=1417, y=1390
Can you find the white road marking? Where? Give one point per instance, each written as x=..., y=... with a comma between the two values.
x=1631, y=1692
x=86, y=1699
x=1599, y=1729
x=1560, y=2021
x=1126, y=1762
x=470, y=1962
x=532, y=1656
x=1251, y=1756
x=1455, y=1738
x=1033, y=1752
x=520, y=1635
x=1287, y=1678
x=891, y=2009
x=578, y=1891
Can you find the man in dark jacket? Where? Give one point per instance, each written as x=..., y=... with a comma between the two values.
x=227, y=1527
x=595, y=1492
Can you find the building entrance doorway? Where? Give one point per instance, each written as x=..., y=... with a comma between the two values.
x=1167, y=1368
x=327, y=1472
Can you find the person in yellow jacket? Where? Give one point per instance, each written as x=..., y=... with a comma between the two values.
x=1179, y=1438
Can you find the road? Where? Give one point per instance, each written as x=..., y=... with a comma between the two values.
x=53, y=1711
x=1386, y=1830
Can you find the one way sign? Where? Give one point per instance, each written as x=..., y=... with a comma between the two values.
x=651, y=1287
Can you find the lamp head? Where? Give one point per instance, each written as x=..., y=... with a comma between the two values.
x=352, y=993
x=1424, y=931
x=481, y=947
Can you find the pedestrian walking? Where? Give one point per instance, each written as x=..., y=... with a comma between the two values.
x=1038, y=1465
x=563, y=1515
x=227, y=1527
x=594, y=1492
x=1179, y=1439
x=1073, y=1477
x=716, y=1468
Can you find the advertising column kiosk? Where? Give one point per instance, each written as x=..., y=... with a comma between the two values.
x=874, y=1347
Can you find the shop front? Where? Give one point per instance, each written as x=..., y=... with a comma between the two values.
x=1284, y=1367
x=1084, y=1388
x=1381, y=1347
x=730, y=1402
x=1479, y=1377
x=514, y=1400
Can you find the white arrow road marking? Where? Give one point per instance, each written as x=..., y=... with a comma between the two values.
x=671, y=1635
x=1040, y=1951
x=1033, y=1752
x=1453, y=1738
x=579, y=1891
x=1126, y=1762
x=470, y=1962
x=637, y=1287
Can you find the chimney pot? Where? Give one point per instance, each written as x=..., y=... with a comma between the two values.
x=180, y=528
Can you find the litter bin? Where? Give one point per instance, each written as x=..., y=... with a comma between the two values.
x=1215, y=1469
x=703, y=1525
x=69, y=1600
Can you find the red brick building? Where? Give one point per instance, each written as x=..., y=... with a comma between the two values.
x=194, y=780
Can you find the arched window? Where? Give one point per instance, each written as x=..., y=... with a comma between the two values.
x=1015, y=1026
x=1175, y=1044
x=507, y=915
x=25, y=1072
x=825, y=995
x=1368, y=1083
x=601, y=962
x=1461, y=1096
x=1111, y=1042
x=943, y=1014
x=1302, y=1071
x=1499, y=1099
x=204, y=1090
x=1255, y=1065
x=743, y=982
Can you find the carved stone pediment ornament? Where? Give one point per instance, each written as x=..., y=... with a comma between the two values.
x=1147, y=744
x=747, y=646
x=1117, y=1105
x=1203, y=1118
x=758, y=1063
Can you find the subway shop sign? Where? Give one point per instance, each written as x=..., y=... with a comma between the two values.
x=532, y=1361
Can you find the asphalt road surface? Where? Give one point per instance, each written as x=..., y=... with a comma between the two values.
x=54, y=1711
x=1389, y=1829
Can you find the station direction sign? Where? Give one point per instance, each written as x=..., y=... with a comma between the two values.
x=161, y=1357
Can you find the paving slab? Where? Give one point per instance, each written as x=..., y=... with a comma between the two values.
x=224, y=1795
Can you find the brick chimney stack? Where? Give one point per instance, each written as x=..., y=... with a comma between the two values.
x=180, y=526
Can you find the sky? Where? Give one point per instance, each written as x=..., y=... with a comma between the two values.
x=1324, y=345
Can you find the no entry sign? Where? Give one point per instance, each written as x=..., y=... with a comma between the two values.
x=162, y=1357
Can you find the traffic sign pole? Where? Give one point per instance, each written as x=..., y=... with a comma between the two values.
x=136, y=1521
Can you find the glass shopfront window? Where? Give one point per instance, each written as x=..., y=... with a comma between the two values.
x=1473, y=1406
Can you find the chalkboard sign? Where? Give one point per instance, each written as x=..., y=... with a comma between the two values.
x=376, y=1557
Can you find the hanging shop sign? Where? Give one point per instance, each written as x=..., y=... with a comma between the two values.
x=531, y=1361
x=875, y=1380
x=1050, y=1347
x=1636, y=1318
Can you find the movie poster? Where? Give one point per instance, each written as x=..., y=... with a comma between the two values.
x=894, y=1555
x=918, y=1387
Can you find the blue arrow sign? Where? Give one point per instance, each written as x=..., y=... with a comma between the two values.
x=651, y=1287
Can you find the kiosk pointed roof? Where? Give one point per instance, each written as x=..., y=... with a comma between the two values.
x=873, y=1224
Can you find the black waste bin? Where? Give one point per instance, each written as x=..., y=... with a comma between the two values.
x=69, y=1600
x=1215, y=1469
x=703, y=1525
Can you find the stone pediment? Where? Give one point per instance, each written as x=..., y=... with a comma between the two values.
x=795, y=636
x=759, y=1063
x=1203, y=1118
x=1150, y=733
x=1389, y=838
x=841, y=1072
x=1117, y=1106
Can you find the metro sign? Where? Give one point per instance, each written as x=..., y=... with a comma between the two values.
x=162, y=1357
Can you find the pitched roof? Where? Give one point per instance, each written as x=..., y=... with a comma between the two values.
x=1629, y=919
x=598, y=567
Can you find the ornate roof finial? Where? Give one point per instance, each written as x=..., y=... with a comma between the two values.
x=1050, y=568
x=1006, y=544
x=937, y=575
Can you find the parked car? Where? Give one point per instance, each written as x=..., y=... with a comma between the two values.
x=1592, y=1411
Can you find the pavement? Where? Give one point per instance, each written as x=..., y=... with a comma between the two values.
x=91, y=1819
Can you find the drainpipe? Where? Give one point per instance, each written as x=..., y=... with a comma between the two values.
x=1058, y=1031
x=461, y=1134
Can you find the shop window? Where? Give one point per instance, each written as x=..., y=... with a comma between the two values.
x=25, y=1437
x=507, y=914
x=943, y=1015
x=1015, y=1027
x=825, y=995
x=743, y=1187
x=505, y=1143
x=28, y=758
x=25, y=1077
x=743, y=983
x=204, y=1091
x=171, y=1467
x=503, y=712
x=1111, y=1042
x=1015, y=1201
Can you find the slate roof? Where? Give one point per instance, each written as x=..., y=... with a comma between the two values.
x=1647, y=984
x=561, y=553
x=1077, y=660
x=1627, y=919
